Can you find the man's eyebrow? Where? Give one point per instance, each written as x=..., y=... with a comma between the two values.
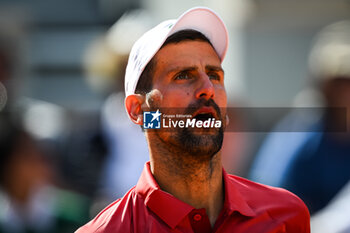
x=192, y=68
x=214, y=68
x=182, y=69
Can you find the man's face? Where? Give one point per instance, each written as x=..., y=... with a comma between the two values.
x=189, y=76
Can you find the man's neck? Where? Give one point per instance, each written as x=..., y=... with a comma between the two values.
x=197, y=183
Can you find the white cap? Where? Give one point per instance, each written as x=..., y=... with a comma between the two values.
x=201, y=19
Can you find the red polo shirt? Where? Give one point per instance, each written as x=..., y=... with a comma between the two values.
x=248, y=207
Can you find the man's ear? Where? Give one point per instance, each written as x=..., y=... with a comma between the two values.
x=133, y=105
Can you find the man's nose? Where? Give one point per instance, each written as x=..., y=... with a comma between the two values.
x=206, y=88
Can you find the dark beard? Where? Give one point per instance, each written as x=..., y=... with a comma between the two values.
x=201, y=144
x=197, y=143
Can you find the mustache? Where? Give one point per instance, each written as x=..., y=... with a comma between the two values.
x=193, y=107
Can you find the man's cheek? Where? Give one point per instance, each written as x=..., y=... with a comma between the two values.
x=154, y=99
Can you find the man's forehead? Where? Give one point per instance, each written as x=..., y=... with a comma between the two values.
x=204, y=42
x=177, y=53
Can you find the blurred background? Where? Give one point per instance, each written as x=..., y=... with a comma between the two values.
x=68, y=148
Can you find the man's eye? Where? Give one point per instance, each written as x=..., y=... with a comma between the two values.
x=182, y=76
x=214, y=76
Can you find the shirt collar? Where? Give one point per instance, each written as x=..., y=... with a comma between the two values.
x=171, y=210
x=234, y=199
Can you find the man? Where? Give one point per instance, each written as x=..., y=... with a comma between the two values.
x=176, y=67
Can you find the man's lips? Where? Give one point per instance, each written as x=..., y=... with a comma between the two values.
x=205, y=111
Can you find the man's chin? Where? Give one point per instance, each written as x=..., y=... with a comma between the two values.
x=208, y=143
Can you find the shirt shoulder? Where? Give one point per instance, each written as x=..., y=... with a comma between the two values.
x=280, y=204
x=116, y=217
x=257, y=192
